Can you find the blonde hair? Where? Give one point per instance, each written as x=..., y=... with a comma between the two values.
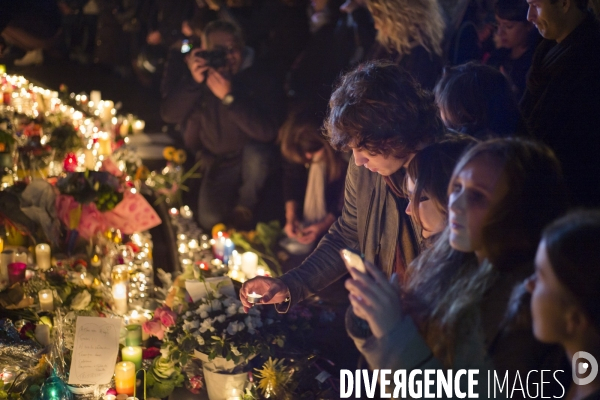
x=404, y=24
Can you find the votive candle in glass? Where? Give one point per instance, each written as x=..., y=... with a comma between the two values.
x=125, y=377
x=16, y=272
x=120, y=283
x=43, y=256
x=133, y=354
x=134, y=335
x=46, y=300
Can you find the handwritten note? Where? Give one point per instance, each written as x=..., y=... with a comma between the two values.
x=95, y=350
x=199, y=290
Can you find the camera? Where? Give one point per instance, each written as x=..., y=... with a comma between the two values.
x=214, y=58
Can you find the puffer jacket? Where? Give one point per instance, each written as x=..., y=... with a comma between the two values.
x=370, y=223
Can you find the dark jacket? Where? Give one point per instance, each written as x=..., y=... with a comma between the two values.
x=561, y=106
x=370, y=223
x=221, y=130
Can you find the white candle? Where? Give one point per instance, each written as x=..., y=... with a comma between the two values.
x=42, y=256
x=138, y=126
x=119, y=292
x=21, y=257
x=104, y=144
x=249, y=264
x=96, y=96
x=46, y=300
x=260, y=271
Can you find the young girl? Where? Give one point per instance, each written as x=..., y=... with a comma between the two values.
x=564, y=288
x=426, y=185
x=452, y=313
x=313, y=183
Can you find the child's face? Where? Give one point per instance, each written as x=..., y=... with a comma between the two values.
x=551, y=302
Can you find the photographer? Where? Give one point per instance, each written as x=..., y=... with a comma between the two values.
x=229, y=111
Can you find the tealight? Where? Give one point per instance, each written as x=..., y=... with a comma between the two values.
x=254, y=298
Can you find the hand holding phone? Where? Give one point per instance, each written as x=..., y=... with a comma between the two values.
x=353, y=260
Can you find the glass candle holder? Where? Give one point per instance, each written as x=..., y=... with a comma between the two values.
x=16, y=272
x=125, y=377
x=120, y=285
x=46, y=300
x=43, y=256
x=134, y=335
x=133, y=354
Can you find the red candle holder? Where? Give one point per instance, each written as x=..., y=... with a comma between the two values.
x=16, y=272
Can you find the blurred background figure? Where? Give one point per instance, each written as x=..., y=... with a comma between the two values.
x=313, y=183
x=477, y=100
x=517, y=40
x=30, y=25
x=410, y=34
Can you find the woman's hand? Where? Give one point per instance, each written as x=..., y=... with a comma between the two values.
x=375, y=300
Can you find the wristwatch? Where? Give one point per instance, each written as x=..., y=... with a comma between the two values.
x=228, y=99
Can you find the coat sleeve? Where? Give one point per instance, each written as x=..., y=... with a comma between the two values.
x=324, y=266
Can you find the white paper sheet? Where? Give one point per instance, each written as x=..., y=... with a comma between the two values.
x=95, y=350
x=198, y=290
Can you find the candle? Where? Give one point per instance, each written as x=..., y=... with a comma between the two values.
x=138, y=319
x=104, y=144
x=42, y=256
x=6, y=257
x=133, y=354
x=260, y=271
x=125, y=377
x=134, y=335
x=219, y=246
x=119, y=292
x=234, y=395
x=186, y=212
x=21, y=257
x=87, y=279
x=96, y=96
x=249, y=264
x=254, y=298
x=109, y=397
x=46, y=300
x=227, y=251
x=138, y=126
x=16, y=272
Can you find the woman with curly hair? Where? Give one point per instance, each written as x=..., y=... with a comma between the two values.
x=410, y=34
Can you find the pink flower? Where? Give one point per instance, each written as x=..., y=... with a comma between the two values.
x=166, y=316
x=154, y=328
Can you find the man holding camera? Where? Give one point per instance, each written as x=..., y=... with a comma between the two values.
x=229, y=111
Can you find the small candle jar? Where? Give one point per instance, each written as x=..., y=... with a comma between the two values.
x=134, y=335
x=43, y=256
x=125, y=377
x=120, y=283
x=16, y=272
x=254, y=298
x=46, y=300
x=133, y=354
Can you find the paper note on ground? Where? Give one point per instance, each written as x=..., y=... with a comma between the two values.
x=95, y=350
x=198, y=290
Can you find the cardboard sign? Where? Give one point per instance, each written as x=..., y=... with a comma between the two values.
x=95, y=350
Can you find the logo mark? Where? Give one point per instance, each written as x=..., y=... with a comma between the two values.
x=580, y=368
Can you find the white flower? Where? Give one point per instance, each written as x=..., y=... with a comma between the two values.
x=217, y=294
x=216, y=305
x=235, y=327
x=188, y=314
x=228, y=301
x=200, y=340
x=204, y=308
x=250, y=325
x=203, y=315
x=206, y=325
x=81, y=300
x=269, y=321
x=254, y=311
x=165, y=351
x=221, y=318
x=232, y=309
x=191, y=325
x=235, y=351
x=241, y=310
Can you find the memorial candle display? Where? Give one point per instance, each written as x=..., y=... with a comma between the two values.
x=125, y=377
x=249, y=264
x=134, y=335
x=46, y=300
x=43, y=256
x=133, y=354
